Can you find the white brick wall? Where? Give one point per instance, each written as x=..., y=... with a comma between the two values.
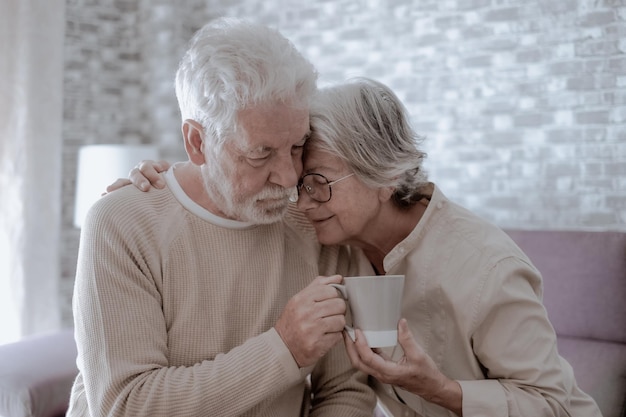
x=523, y=101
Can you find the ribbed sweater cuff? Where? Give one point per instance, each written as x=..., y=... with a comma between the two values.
x=285, y=357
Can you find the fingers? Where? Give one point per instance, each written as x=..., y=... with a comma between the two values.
x=307, y=340
x=322, y=291
x=143, y=176
x=374, y=359
x=351, y=350
x=359, y=353
x=119, y=183
x=367, y=356
x=312, y=321
x=162, y=165
x=407, y=341
x=325, y=280
x=319, y=300
x=415, y=371
x=148, y=173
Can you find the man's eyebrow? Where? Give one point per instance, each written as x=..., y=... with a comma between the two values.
x=266, y=148
x=258, y=149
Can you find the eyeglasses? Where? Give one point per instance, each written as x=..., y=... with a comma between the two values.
x=317, y=186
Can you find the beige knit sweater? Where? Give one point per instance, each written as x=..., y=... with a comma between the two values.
x=174, y=311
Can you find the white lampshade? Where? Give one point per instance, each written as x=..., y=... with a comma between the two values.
x=101, y=165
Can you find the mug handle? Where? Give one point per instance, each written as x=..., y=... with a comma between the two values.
x=344, y=294
x=342, y=290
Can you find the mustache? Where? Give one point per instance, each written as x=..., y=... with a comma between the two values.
x=274, y=192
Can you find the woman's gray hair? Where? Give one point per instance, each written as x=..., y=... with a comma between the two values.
x=232, y=64
x=364, y=123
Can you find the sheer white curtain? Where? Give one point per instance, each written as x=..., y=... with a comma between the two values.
x=31, y=111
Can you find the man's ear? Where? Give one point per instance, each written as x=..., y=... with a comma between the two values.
x=193, y=135
x=385, y=193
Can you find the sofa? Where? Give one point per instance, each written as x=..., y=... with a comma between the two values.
x=584, y=278
x=36, y=375
x=584, y=293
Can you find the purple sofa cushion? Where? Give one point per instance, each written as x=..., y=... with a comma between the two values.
x=600, y=371
x=584, y=275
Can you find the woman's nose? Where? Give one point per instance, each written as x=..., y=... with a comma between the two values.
x=305, y=201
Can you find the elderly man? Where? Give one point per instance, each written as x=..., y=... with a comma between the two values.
x=200, y=299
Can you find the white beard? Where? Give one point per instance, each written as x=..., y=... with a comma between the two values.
x=267, y=206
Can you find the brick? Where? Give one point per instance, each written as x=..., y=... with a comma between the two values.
x=502, y=15
x=477, y=31
x=593, y=169
x=592, y=117
x=594, y=218
x=557, y=169
x=431, y=39
x=500, y=45
x=449, y=22
x=562, y=99
x=617, y=168
x=598, y=134
x=354, y=34
x=478, y=61
x=599, y=18
x=616, y=201
x=595, y=65
x=472, y=4
x=618, y=65
x=586, y=82
x=502, y=202
x=596, y=48
x=617, y=134
x=503, y=138
x=598, y=186
x=592, y=98
x=528, y=56
x=532, y=120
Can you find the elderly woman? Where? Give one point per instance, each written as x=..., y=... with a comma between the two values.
x=475, y=339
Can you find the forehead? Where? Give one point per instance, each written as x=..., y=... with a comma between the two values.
x=273, y=125
x=317, y=160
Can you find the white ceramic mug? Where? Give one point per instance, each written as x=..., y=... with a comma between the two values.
x=375, y=303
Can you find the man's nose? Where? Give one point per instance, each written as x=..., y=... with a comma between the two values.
x=286, y=171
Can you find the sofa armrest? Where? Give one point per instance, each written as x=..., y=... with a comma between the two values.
x=36, y=375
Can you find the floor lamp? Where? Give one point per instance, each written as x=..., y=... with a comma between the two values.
x=99, y=166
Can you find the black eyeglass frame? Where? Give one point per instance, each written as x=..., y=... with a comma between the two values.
x=309, y=190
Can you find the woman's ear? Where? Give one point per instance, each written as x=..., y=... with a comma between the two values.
x=193, y=135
